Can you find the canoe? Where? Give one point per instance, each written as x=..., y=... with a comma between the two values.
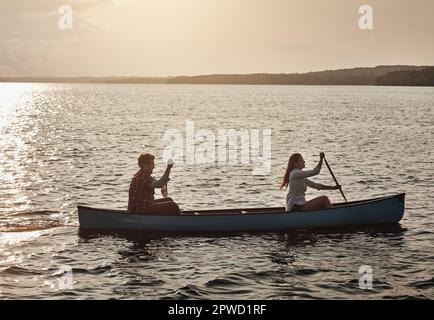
x=377, y=211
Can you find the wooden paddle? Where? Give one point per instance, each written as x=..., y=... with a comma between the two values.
x=336, y=181
x=164, y=191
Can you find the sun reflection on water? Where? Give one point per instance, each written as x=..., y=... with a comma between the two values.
x=8, y=239
x=10, y=96
x=17, y=103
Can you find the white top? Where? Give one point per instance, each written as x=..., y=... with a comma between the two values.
x=298, y=183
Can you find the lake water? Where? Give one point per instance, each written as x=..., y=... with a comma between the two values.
x=68, y=144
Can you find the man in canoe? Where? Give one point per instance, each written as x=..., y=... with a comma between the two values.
x=297, y=180
x=141, y=192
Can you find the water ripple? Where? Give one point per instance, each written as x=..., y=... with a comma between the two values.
x=66, y=144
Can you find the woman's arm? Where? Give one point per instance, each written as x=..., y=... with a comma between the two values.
x=321, y=158
x=330, y=187
x=312, y=184
x=300, y=174
x=319, y=186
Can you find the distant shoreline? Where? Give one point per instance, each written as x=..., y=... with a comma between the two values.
x=398, y=75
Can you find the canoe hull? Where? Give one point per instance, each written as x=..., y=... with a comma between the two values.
x=370, y=212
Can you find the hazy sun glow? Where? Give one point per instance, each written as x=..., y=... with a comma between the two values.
x=167, y=37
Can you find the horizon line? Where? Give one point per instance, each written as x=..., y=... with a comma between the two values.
x=209, y=74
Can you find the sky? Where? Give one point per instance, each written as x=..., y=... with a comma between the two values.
x=192, y=37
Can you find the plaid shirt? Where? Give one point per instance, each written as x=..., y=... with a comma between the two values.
x=140, y=194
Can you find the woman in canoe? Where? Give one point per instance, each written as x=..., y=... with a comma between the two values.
x=297, y=180
x=141, y=192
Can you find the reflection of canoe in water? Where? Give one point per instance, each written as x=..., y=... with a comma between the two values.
x=357, y=213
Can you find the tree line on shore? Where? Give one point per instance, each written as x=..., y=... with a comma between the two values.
x=380, y=76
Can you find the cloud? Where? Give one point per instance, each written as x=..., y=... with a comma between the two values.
x=29, y=30
x=13, y=59
x=13, y=7
x=37, y=20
